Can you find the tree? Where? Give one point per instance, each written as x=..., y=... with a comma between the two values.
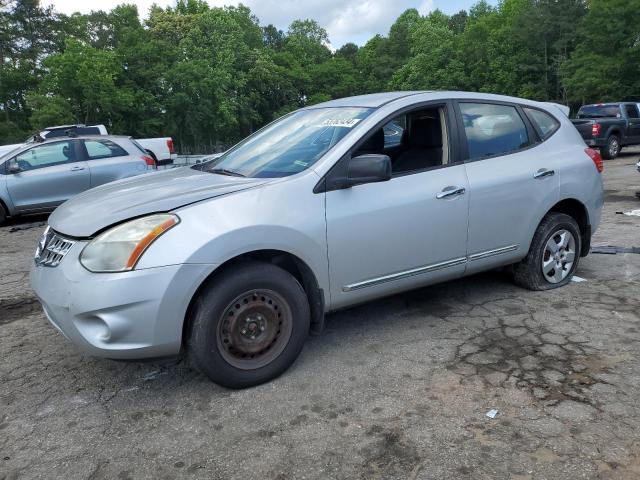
x=605, y=65
x=273, y=38
x=349, y=51
x=307, y=41
x=209, y=75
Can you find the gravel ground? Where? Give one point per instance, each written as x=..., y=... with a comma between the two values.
x=398, y=388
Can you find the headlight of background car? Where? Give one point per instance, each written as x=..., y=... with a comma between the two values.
x=119, y=248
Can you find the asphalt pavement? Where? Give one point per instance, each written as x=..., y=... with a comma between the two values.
x=398, y=388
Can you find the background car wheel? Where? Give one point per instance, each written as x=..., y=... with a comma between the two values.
x=249, y=325
x=611, y=149
x=553, y=256
x=3, y=215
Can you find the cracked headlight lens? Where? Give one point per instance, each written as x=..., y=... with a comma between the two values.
x=119, y=248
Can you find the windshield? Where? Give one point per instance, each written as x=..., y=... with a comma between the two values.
x=289, y=145
x=599, y=111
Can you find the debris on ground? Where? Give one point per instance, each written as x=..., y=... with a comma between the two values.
x=633, y=213
x=578, y=279
x=492, y=413
x=612, y=249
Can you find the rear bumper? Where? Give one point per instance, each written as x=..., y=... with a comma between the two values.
x=596, y=142
x=129, y=315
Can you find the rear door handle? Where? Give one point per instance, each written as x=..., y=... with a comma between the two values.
x=450, y=192
x=543, y=172
x=76, y=169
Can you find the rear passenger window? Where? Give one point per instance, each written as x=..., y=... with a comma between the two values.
x=493, y=129
x=632, y=111
x=103, y=149
x=544, y=122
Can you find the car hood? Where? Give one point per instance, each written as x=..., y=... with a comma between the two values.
x=95, y=209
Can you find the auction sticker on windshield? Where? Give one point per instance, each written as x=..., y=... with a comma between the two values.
x=340, y=122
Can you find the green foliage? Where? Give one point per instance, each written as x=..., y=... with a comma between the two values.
x=207, y=75
x=605, y=65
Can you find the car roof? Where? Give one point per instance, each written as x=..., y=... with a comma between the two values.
x=81, y=137
x=376, y=100
x=605, y=104
x=372, y=100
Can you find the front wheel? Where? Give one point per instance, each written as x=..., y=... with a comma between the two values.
x=611, y=148
x=3, y=215
x=553, y=256
x=249, y=325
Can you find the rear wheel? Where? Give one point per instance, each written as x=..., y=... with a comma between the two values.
x=611, y=148
x=249, y=325
x=553, y=256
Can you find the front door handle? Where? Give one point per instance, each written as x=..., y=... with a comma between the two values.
x=543, y=172
x=76, y=169
x=450, y=192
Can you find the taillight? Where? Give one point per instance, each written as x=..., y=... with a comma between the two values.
x=172, y=150
x=151, y=163
x=596, y=157
x=595, y=129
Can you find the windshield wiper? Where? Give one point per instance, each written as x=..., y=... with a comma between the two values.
x=224, y=171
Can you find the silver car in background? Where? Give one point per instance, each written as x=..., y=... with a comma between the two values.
x=235, y=260
x=38, y=177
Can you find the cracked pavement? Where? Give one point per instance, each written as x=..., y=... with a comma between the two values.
x=397, y=388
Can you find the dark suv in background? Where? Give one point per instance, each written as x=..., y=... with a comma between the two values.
x=609, y=126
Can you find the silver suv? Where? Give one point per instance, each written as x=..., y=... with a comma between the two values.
x=39, y=177
x=235, y=260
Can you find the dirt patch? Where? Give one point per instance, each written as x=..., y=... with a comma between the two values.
x=15, y=309
x=391, y=456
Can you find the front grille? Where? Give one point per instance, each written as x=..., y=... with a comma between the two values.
x=52, y=248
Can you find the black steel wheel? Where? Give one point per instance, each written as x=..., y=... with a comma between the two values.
x=249, y=325
x=255, y=329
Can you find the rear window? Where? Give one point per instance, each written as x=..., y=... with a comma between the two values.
x=97, y=149
x=493, y=129
x=545, y=123
x=63, y=132
x=599, y=111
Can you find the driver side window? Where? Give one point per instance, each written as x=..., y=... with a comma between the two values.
x=46, y=155
x=414, y=141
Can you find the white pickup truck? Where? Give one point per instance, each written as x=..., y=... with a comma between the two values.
x=161, y=149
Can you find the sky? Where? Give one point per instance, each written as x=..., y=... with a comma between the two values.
x=345, y=20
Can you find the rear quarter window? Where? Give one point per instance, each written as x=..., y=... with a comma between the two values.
x=492, y=129
x=97, y=149
x=544, y=123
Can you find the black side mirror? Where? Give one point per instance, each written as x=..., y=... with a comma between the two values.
x=349, y=172
x=369, y=168
x=13, y=168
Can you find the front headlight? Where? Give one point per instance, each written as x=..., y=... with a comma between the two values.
x=120, y=248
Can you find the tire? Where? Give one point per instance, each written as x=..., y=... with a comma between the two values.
x=248, y=325
x=612, y=148
x=3, y=215
x=529, y=273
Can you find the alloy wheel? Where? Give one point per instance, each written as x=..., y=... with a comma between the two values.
x=613, y=147
x=559, y=255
